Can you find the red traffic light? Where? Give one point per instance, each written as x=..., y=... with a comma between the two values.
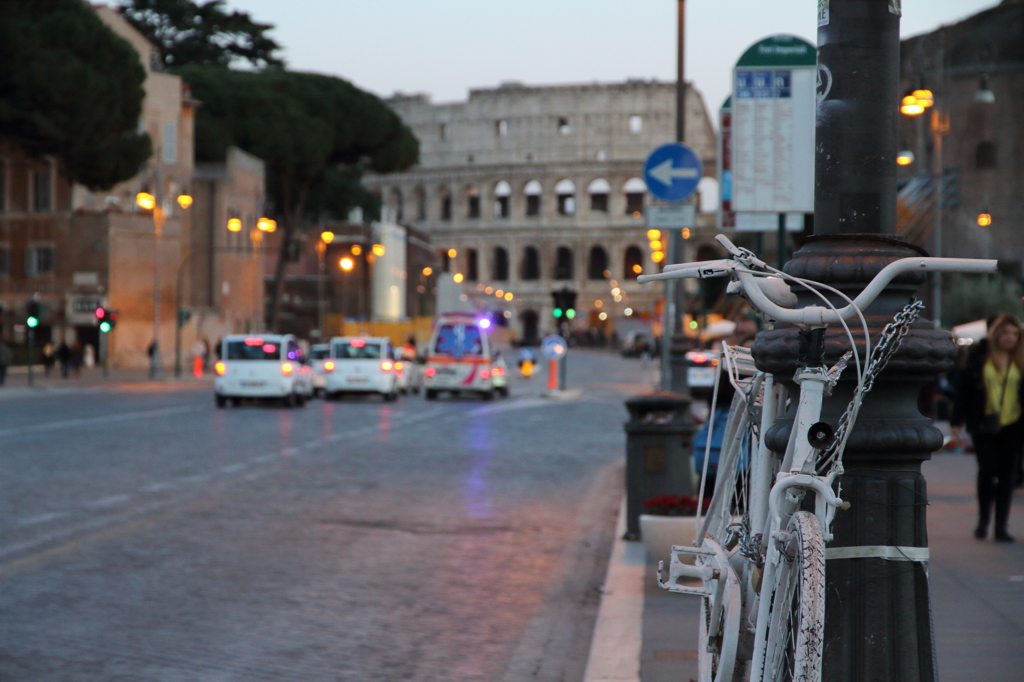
x=101, y=313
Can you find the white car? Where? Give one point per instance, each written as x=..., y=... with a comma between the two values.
x=459, y=356
x=318, y=354
x=267, y=366
x=359, y=364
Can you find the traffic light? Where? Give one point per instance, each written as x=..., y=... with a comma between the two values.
x=33, y=311
x=564, y=303
x=107, y=319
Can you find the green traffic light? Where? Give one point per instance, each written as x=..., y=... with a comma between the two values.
x=104, y=326
x=570, y=313
x=32, y=321
x=557, y=312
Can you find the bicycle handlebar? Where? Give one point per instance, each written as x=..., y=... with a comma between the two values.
x=817, y=316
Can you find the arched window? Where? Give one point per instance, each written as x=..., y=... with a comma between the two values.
x=985, y=155
x=599, y=190
x=635, y=189
x=502, y=200
x=445, y=195
x=499, y=266
x=707, y=191
x=633, y=263
x=472, y=265
x=597, y=263
x=565, y=190
x=420, y=197
x=533, y=191
x=472, y=201
x=397, y=204
x=563, y=263
x=531, y=263
x=529, y=319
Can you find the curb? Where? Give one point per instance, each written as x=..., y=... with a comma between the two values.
x=618, y=633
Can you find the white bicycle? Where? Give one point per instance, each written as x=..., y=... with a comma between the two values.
x=758, y=562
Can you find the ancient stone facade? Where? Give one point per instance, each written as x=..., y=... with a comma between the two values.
x=538, y=188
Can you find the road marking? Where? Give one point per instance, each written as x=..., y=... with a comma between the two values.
x=156, y=487
x=42, y=518
x=231, y=468
x=109, y=501
x=95, y=421
x=521, y=404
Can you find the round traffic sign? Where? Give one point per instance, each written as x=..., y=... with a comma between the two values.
x=554, y=347
x=672, y=172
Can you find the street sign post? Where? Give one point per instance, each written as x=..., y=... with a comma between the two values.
x=554, y=348
x=672, y=172
x=671, y=217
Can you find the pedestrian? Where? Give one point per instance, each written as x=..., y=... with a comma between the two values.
x=5, y=361
x=49, y=359
x=64, y=357
x=988, y=403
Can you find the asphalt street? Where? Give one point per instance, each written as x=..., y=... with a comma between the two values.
x=146, y=535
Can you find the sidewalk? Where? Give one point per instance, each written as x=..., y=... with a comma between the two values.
x=977, y=597
x=89, y=378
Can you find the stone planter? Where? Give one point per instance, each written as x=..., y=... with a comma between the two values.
x=659, y=533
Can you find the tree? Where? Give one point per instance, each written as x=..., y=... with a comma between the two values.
x=69, y=86
x=201, y=34
x=309, y=129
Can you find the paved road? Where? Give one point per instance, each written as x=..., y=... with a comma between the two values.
x=145, y=535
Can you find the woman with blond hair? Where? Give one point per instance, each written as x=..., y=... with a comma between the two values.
x=989, y=401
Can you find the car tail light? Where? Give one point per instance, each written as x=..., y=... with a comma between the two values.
x=400, y=368
x=485, y=374
x=497, y=372
x=387, y=366
x=430, y=371
x=220, y=368
x=287, y=369
x=329, y=366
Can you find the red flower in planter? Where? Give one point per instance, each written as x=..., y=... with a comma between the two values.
x=674, y=505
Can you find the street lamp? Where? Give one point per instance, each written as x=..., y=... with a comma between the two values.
x=266, y=225
x=235, y=225
x=184, y=200
x=905, y=157
x=984, y=218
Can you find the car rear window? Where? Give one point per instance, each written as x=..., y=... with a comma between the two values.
x=251, y=350
x=319, y=353
x=458, y=340
x=353, y=350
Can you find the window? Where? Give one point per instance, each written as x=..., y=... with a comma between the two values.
x=533, y=192
x=599, y=190
x=420, y=197
x=170, y=143
x=458, y=340
x=5, y=260
x=502, y=200
x=472, y=202
x=41, y=191
x=501, y=128
x=442, y=132
x=347, y=350
x=633, y=263
x=985, y=156
x=499, y=266
x=472, y=265
x=636, y=124
x=565, y=190
x=563, y=126
x=446, y=204
x=398, y=204
x=40, y=260
x=598, y=263
x=635, y=189
x=563, y=263
x=531, y=263
x=253, y=348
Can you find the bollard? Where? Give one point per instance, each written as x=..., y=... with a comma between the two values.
x=659, y=445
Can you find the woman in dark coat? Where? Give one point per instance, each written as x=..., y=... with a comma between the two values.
x=989, y=401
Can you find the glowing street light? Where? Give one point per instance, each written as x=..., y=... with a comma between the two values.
x=378, y=250
x=346, y=263
x=653, y=234
x=508, y=296
x=984, y=219
x=184, y=200
x=266, y=225
x=452, y=253
x=911, y=106
x=458, y=278
x=145, y=201
x=905, y=157
x=327, y=236
x=427, y=272
x=235, y=225
x=357, y=250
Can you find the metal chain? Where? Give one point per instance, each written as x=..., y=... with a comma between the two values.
x=889, y=342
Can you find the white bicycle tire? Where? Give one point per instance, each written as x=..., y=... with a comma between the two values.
x=797, y=623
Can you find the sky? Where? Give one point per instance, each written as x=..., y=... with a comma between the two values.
x=446, y=47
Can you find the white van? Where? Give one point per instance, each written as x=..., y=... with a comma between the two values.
x=359, y=364
x=459, y=356
x=267, y=366
x=318, y=354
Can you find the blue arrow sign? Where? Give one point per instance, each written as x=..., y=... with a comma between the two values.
x=554, y=347
x=672, y=172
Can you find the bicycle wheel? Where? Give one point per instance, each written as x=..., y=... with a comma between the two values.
x=797, y=623
x=720, y=619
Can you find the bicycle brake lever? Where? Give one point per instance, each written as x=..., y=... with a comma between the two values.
x=744, y=256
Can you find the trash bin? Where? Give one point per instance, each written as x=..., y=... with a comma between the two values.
x=659, y=443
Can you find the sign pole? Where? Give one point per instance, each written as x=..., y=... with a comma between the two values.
x=552, y=375
x=31, y=352
x=782, y=240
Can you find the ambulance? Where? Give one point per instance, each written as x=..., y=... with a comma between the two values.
x=459, y=358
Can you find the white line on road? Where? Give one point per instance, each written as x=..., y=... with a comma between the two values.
x=232, y=468
x=108, y=501
x=93, y=421
x=41, y=518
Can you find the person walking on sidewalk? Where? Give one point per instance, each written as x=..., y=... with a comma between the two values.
x=988, y=402
x=5, y=361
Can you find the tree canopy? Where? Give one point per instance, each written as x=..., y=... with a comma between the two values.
x=71, y=87
x=201, y=34
x=314, y=132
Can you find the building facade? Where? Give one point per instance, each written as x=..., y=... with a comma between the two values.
x=529, y=189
